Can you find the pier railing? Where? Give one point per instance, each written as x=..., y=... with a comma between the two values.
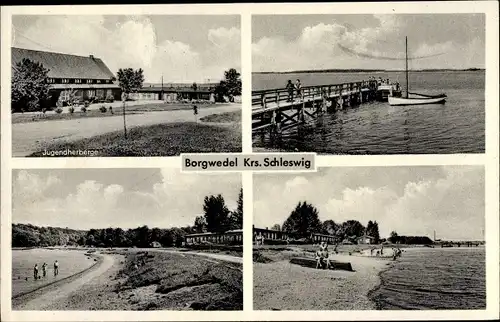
x=281, y=96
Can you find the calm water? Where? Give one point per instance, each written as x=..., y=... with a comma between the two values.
x=23, y=261
x=450, y=278
x=377, y=128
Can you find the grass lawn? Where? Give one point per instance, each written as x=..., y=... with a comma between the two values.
x=159, y=140
x=228, y=117
x=93, y=111
x=180, y=280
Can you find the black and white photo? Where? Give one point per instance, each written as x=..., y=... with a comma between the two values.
x=110, y=85
x=126, y=239
x=369, y=84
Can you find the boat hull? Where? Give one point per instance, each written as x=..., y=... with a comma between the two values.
x=400, y=101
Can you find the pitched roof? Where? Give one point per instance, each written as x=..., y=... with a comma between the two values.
x=64, y=65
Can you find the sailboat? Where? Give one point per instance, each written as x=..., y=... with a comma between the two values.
x=414, y=98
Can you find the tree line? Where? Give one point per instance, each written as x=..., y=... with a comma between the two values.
x=304, y=221
x=217, y=218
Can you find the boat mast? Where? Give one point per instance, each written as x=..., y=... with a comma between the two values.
x=407, y=83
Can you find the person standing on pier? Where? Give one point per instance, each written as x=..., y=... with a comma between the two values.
x=290, y=88
x=298, y=88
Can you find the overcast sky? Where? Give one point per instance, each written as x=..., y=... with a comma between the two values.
x=126, y=198
x=183, y=48
x=410, y=200
x=294, y=42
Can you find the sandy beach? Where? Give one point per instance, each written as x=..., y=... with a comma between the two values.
x=145, y=280
x=279, y=285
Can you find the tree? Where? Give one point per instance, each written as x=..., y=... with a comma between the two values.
x=194, y=86
x=330, y=227
x=237, y=215
x=200, y=225
x=230, y=86
x=394, y=237
x=233, y=82
x=350, y=229
x=216, y=213
x=276, y=227
x=303, y=221
x=30, y=86
x=130, y=80
x=372, y=230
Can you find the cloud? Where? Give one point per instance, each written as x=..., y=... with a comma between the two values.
x=133, y=43
x=172, y=202
x=417, y=202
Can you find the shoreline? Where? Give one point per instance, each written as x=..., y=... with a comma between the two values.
x=279, y=285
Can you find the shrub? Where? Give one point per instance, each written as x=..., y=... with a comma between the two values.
x=110, y=98
x=71, y=109
x=86, y=103
x=59, y=110
x=103, y=109
x=83, y=109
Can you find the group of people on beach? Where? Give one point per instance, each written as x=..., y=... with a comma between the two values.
x=382, y=81
x=36, y=275
x=294, y=88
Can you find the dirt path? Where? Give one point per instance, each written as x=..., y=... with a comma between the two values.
x=63, y=291
x=221, y=257
x=28, y=138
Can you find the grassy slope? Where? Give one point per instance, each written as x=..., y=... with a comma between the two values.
x=228, y=117
x=181, y=281
x=93, y=111
x=159, y=140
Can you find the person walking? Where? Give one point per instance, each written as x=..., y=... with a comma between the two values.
x=195, y=112
x=56, y=268
x=290, y=88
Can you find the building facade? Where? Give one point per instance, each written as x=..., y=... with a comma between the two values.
x=271, y=234
x=87, y=76
x=233, y=237
x=175, y=93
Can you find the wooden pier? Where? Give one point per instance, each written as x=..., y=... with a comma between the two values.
x=277, y=110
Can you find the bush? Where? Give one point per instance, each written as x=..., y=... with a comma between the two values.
x=103, y=109
x=71, y=109
x=86, y=103
x=83, y=109
x=59, y=110
x=110, y=98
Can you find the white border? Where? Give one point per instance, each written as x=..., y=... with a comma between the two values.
x=490, y=159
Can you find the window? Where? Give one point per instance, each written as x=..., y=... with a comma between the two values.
x=89, y=81
x=65, y=81
x=50, y=81
x=98, y=81
x=78, y=81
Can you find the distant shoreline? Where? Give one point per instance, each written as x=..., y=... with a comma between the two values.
x=368, y=71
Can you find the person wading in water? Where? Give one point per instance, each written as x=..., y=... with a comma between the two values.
x=35, y=272
x=44, y=269
x=56, y=268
